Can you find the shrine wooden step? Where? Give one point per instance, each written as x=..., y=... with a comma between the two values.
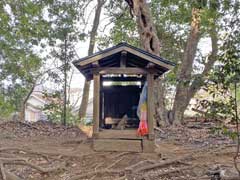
x=119, y=145
x=119, y=134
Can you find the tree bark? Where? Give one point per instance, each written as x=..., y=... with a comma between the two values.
x=151, y=43
x=93, y=34
x=147, y=31
x=186, y=68
x=64, y=120
x=181, y=103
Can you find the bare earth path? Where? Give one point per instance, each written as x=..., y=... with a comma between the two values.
x=52, y=152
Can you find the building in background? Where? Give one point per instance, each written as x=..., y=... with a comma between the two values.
x=34, y=108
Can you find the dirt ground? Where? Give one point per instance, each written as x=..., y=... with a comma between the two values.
x=43, y=151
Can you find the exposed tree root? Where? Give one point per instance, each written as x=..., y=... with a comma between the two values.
x=171, y=172
x=3, y=174
x=130, y=168
x=122, y=154
x=95, y=173
x=116, y=162
x=46, y=153
x=92, y=178
x=6, y=160
x=158, y=129
x=122, y=178
x=162, y=164
x=11, y=176
x=6, y=175
x=25, y=151
x=98, y=172
x=39, y=168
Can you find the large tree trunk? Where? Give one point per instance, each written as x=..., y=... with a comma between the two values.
x=147, y=31
x=197, y=82
x=93, y=34
x=185, y=90
x=186, y=68
x=151, y=43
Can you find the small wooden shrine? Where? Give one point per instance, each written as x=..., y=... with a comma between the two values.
x=119, y=74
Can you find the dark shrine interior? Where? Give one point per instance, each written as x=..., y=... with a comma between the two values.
x=119, y=98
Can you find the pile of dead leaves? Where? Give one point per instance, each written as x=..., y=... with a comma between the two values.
x=40, y=128
x=199, y=134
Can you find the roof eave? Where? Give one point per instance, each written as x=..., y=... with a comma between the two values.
x=110, y=51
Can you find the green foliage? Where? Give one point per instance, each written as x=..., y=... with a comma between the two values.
x=124, y=29
x=22, y=29
x=225, y=79
x=172, y=20
x=53, y=108
x=64, y=35
x=6, y=107
x=27, y=27
x=223, y=130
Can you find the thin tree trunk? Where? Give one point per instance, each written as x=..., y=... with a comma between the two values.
x=93, y=34
x=64, y=121
x=24, y=103
x=235, y=158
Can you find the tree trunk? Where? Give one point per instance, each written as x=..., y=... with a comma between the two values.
x=151, y=43
x=85, y=97
x=160, y=105
x=185, y=69
x=24, y=103
x=64, y=120
x=93, y=34
x=147, y=31
x=186, y=91
x=198, y=81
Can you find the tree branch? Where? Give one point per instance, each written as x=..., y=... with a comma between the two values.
x=199, y=80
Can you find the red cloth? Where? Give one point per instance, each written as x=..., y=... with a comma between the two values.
x=143, y=128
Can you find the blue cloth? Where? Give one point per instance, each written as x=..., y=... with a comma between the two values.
x=142, y=99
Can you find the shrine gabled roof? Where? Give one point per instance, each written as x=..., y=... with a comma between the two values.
x=110, y=57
